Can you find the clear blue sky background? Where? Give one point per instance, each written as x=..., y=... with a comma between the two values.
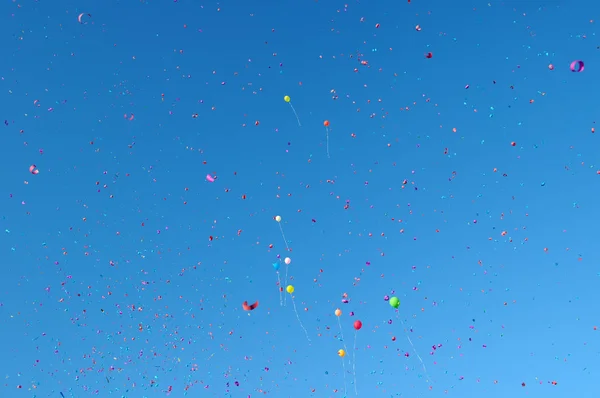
x=112, y=286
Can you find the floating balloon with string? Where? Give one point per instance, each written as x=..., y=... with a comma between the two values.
x=326, y=124
x=290, y=289
x=357, y=326
x=342, y=353
x=289, y=101
x=338, y=314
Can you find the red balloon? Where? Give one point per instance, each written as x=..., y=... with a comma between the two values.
x=357, y=325
x=250, y=307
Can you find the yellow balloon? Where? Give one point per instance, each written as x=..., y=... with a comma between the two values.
x=290, y=289
x=342, y=353
x=338, y=312
x=287, y=98
x=278, y=218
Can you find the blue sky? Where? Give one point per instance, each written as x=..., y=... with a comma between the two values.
x=465, y=184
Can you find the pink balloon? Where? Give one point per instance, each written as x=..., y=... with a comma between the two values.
x=210, y=178
x=577, y=66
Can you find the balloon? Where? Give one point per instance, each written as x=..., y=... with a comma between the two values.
x=287, y=261
x=357, y=325
x=247, y=307
x=81, y=16
x=577, y=66
x=394, y=302
x=276, y=266
x=338, y=312
x=342, y=353
x=290, y=289
x=326, y=124
x=278, y=218
x=287, y=98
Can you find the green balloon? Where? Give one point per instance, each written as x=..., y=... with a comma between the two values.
x=395, y=302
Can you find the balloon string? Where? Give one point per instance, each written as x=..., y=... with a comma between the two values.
x=279, y=288
x=299, y=321
x=342, y=334
x=354, y=363
x=344, y=370
x=283, y=236
x=297, y=118
x=286, y=266
x=327, y=140
x=414, y=349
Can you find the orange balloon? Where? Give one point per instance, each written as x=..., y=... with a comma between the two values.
x=326, y=123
